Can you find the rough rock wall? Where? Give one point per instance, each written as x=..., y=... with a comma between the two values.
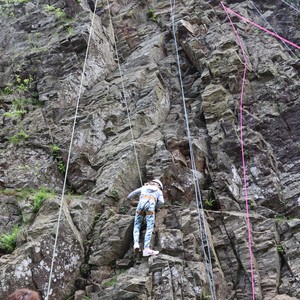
x=43, y=48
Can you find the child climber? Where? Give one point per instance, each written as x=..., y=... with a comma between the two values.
x=151, y=196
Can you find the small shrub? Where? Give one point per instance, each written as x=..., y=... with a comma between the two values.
x=110, y=282
x=151, y=15
x=8, y=240
x=122, y=210
x=280, y=249
x=209, y=203
x=114, y=194
x=19, y=137
x=55, y=150
x=15, y=114
x=59, y=13
x=8, y=89
x=61, y=166
x=38, y=198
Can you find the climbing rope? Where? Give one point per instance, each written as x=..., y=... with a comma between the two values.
x=201, y=217
x=243, y=155
x=69, y=155
x=294, y=8
x=260, y=27
x=227, y=11
x=286, y=45
x=124, y=94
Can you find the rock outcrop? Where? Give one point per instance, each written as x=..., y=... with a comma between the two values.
x=131, y=126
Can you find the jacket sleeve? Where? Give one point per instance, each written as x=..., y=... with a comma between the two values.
x=160, y=199
x=134, y=193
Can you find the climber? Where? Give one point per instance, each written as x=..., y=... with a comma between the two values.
x=24, y=294
x=151, y=197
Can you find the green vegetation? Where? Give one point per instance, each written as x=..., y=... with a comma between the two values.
x=38, y=198
x=7, y=7
x=252, y=204
x=122, y=210
x=114, y=194
x=20, y=90
x=59, y=13
x=8, y=240
x=110, y=282
x=56, y=152
x=246, y=154
x=18, y=137
x=280, y=248
x=151, y=15
x=280, y=218
x=209, y=203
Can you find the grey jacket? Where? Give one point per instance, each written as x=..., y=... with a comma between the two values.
x=149, y=190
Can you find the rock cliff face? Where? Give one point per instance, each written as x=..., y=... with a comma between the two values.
x=135, y=112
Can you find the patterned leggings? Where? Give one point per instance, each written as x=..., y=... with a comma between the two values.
x=144, y=205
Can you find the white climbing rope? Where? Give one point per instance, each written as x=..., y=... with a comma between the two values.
x=291, y=6
x=201, y=217
x=124, y=95
x=69, y=155
x=286, y=45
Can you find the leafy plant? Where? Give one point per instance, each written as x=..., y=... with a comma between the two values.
x=151, y=15
x=114, y=194
x=59, y=13
x=38, y=198
x=70, y=30
x=61, y=166
x=18, y=137
x=252, y=204
x=209, y=203
x=56, y=151
x=8, y=240
x=110, y=282
x=122, y=210
x=280, y=248
x=280, y=218
x=8, y=89
x=15, y=113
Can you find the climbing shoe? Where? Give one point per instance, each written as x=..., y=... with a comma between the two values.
x=136, y=247
x=149, y=252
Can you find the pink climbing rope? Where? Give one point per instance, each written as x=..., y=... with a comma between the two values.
x=243, y=154
x=258, y=26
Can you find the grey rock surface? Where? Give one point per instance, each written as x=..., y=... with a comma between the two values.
x=131, y=126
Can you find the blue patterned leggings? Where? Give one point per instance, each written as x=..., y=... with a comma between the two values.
x=144, y=205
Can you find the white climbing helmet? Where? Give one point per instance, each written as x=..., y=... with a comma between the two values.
x=159, y=182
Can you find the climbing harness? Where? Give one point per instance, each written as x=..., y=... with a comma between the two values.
x=69, y=155
x=144, y=212
x=201, y=217
x=150, y=197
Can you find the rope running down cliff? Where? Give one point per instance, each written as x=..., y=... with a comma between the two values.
x=69, y=154
x=294, y=8
x=243, y=156
x=199, y=202
x=227, y=11
x=124, y=94
x=286, y=45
